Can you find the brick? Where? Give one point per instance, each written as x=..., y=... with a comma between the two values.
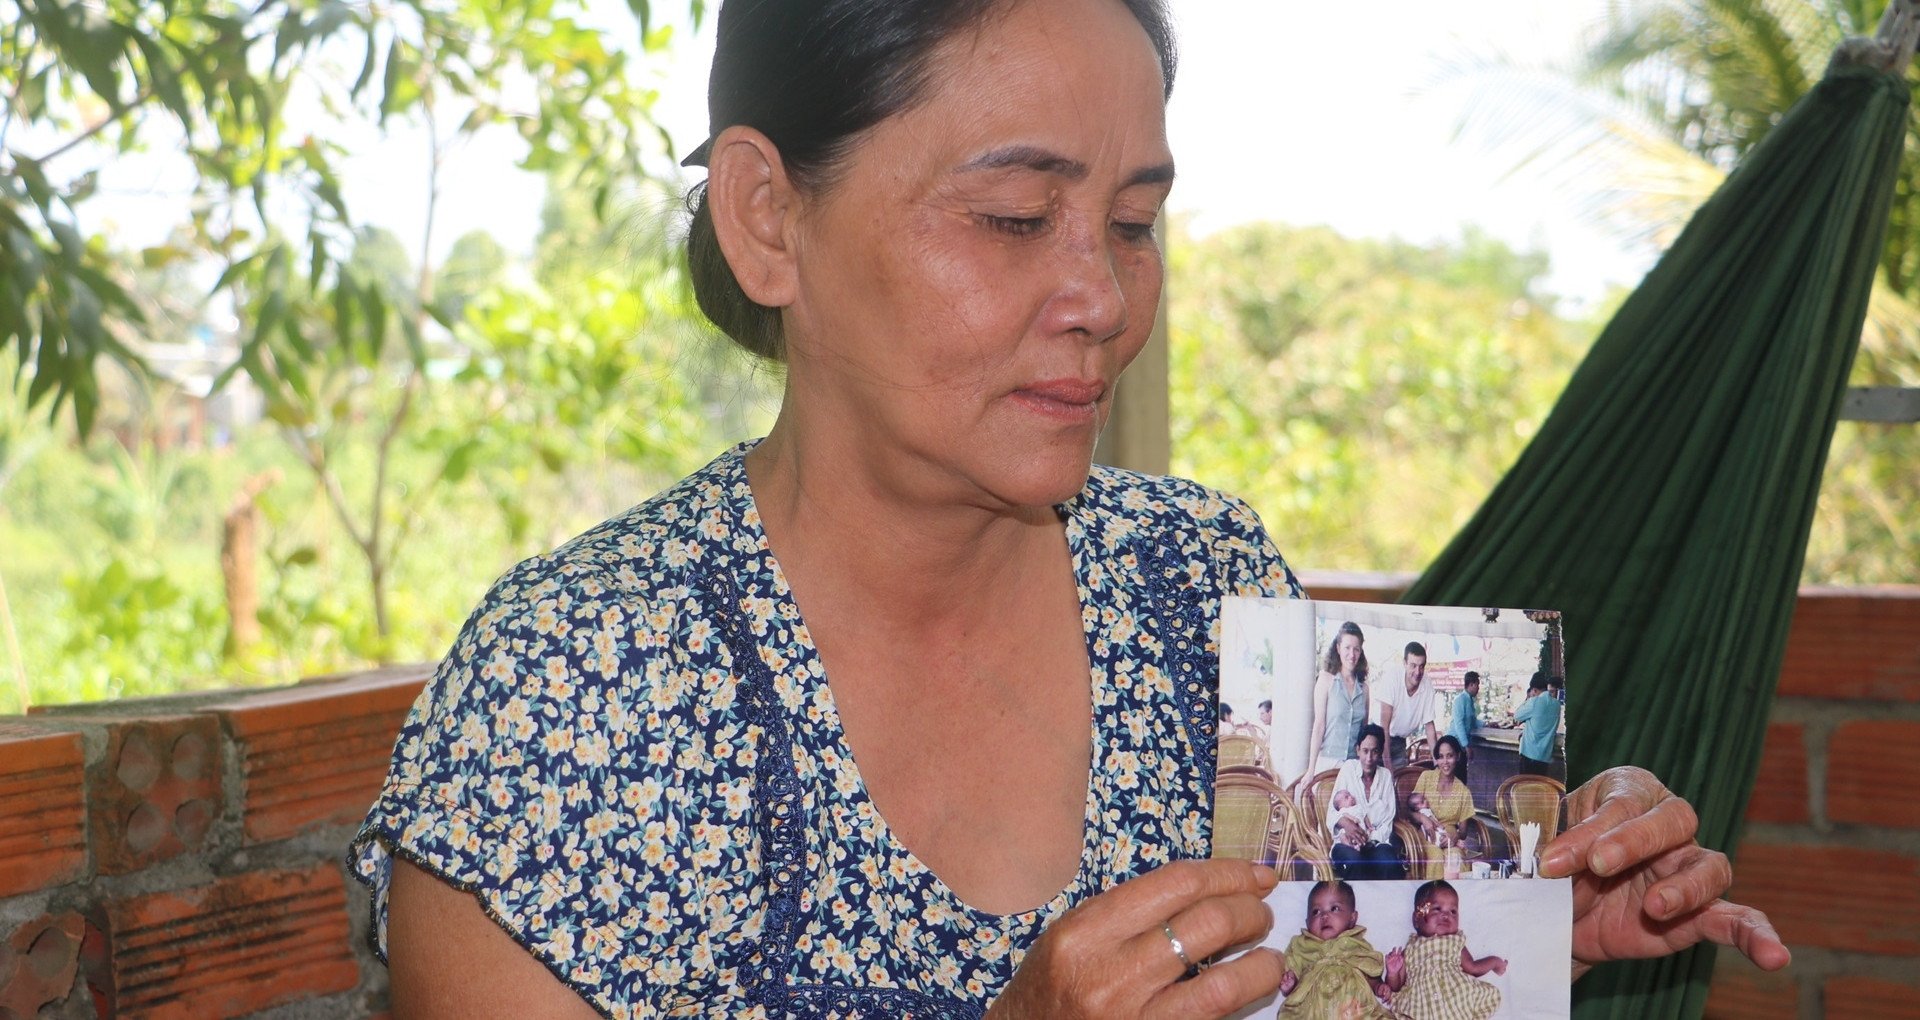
x=1865, y=901
x=239, y=945
x=158, y=792
x=1854, y=643
x=43, y=814
x=1780, y=790
x=315, y=753
x=1872, y=773
x=1861, y=998
x=38, y=962
x=1741, y=991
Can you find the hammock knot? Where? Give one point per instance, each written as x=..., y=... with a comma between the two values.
x=1890, y=49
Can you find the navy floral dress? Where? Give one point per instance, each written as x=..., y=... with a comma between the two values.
x=631, y=756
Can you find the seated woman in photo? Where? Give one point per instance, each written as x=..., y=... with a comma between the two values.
x=1442, y=803
x=1360, y=813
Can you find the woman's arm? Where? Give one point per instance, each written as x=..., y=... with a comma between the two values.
x=447, y=958
x=1318, y=731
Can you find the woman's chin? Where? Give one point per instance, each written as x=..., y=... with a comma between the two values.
x=1047, y=479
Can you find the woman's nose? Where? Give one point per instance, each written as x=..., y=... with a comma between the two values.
x=1089, y=299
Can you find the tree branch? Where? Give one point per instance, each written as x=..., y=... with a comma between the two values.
x=316, y=460
x=113, y=115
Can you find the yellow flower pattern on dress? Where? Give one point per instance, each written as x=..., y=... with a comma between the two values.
x=632, y=757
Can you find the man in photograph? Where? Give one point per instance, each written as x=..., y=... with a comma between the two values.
x=1405, y=709
x=1538, y=718
x=1466, y=712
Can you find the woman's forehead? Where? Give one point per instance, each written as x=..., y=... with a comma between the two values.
x=1056, y=86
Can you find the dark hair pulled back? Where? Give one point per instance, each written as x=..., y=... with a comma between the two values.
x=812, y=75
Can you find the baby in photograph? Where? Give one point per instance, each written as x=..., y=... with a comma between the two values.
x=1332, y=971
x=1442, y=977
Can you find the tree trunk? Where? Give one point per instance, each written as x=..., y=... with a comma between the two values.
x=239, y=559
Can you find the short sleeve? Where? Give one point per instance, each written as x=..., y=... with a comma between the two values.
x=1251, y=564
x=542, y=770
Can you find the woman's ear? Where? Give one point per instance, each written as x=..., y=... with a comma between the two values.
x=753, y=203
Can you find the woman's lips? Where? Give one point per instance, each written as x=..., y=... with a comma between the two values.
x=1067, y=400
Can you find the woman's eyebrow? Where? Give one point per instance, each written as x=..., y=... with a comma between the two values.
x=1032, y=157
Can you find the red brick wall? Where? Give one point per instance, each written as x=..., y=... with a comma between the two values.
x=181, y=857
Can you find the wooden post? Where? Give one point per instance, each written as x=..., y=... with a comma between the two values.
x=1139, y=435
x=239, y=564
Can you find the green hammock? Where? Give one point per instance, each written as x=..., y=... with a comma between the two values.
x=1664, y=505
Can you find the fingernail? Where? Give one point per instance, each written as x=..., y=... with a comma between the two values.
x=1557, y=863
x=1607, y=860
x=1664, y=905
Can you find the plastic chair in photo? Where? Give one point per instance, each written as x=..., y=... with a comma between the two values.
x=1527, y=798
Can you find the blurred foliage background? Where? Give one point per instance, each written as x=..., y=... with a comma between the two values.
x=421, y=423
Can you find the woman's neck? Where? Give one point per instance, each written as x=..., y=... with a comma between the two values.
x=917, y=546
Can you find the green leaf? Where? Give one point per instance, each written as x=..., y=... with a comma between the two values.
x=367, y=64
x=343, y=302
x=396, y=68
x=233, y=272
x=331, y=16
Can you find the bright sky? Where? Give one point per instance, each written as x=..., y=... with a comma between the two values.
x=1303, y=113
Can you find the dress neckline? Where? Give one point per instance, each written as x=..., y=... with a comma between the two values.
x=807, y=677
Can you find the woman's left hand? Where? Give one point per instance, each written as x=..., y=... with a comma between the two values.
x=1642, y=886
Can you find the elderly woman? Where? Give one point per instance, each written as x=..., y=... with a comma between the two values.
x=903, y=709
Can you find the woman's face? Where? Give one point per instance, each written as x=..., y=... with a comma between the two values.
x=1349, y=653
x=972, y=283
x=1445, y=759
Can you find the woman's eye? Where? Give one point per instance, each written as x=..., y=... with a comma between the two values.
x=1016, y=226
x=1134, y=233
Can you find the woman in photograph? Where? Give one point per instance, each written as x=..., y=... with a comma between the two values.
x=1441, y=802
x=906, y=708
x=1361, y=811
x=1339, y=699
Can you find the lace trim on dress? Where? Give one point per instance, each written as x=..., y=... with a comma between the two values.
x=778, y=798
x=1183, y=629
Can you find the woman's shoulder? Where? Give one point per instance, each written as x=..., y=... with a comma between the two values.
x=1164, y=500
x=1190, y=519
x=695, y=527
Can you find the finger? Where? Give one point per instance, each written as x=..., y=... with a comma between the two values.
x=1625, y=830
x=1204, y=929
x=1221, y=989
x=1689, y=878
x=1143, y=904
x=1742, y=927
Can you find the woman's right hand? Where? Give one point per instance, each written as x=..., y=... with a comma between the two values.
x=1109, y=958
